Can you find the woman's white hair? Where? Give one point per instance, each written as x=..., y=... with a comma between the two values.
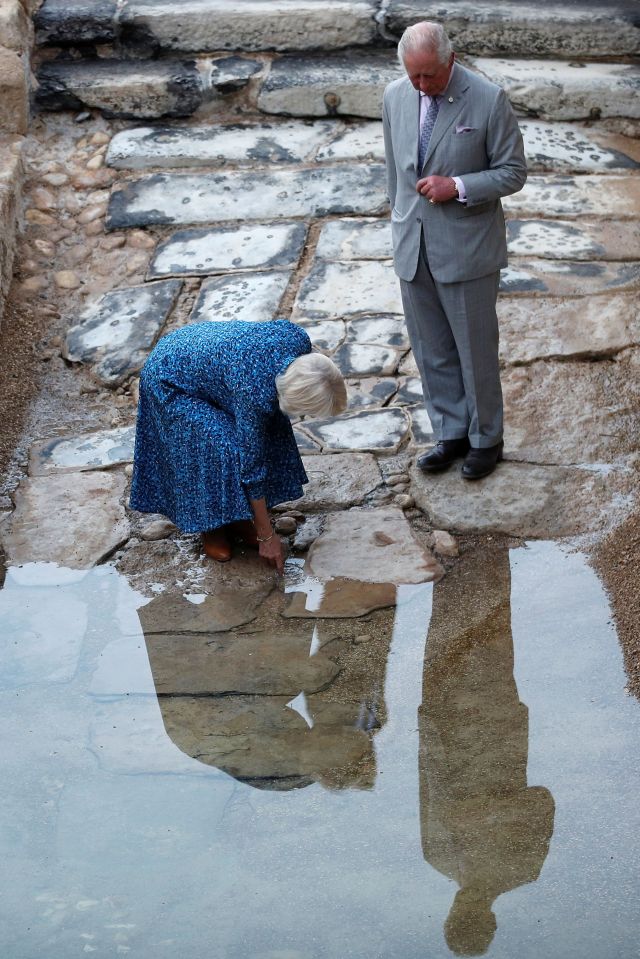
x=425, y=36
x=312, y=385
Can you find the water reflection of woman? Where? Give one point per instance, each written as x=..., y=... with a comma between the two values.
x=214, y=445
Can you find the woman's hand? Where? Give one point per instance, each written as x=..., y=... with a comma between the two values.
x=272, y=551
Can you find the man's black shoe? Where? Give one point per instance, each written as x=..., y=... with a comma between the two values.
x=442, y=455
x=481, y=462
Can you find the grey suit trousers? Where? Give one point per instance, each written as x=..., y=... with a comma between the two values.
x=453, y=329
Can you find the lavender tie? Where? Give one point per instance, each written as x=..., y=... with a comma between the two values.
x=430, y=117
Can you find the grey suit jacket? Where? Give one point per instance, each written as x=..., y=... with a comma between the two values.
x=476, y=137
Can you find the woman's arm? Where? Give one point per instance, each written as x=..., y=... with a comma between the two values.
x=270, y=546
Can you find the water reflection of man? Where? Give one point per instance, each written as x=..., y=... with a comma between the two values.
x=481, y=824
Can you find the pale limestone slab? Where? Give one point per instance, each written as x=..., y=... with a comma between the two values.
x=606, y=195
x=571, y=148
x=586, y=327
x=338, y=481
x=145, y=148
x=358, y=141
x=574, y=239
x=352, y=239
x=116, y=333
x=561, y=90
x=381, y=549
x=304, y=443
x=355, y=359
x=326, y=335
x=181, y=198
x=370, y=392
x=409, y=391
x=371, y=430
x=87, y=452
x=379, y=330
x=567, y=277
x=421, y=427
x=229, y=249
x=254, y=297
x=334, y=290
x=73, y=519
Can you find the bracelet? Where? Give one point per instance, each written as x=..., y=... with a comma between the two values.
x=265, y=539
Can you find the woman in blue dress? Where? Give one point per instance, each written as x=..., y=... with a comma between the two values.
x=214, y=445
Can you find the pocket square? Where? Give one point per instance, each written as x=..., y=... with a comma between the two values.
x=466, y=129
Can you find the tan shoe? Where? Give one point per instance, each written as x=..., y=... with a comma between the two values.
x=216, y=545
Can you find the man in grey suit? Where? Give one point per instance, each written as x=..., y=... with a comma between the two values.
x=453, y=148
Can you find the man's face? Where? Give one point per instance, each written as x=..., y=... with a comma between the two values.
x=426, y=72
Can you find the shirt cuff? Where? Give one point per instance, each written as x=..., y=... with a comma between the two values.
x=462, y=193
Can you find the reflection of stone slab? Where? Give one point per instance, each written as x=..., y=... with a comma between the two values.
x=116, y=333
x=409, y=391
x=227, y=249
x=567, y=277
x=609, y=196
x=146, y=147
x=358, y=141
x=380, y=331
x=168, y=198
x=356, y=359
x=517, y=499
x=73, y=519
x=574, y=240
x=370, y=430
x=339, y=481
x=370, y=392
x=381, y=548
x=87, y=452
x=355, y=240
x=326, y=335
x=421, y=428
x=560, y=90
x=224, y=609
x=342, y=599
x=347, y=289
x=570, y=148
x=254, y=297
x=582, y=327
x=320, y=86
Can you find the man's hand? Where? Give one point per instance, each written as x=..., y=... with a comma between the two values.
x=437, y=189
x=273, y=553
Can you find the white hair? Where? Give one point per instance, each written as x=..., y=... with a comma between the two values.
x=425, y=36
x=312, y=385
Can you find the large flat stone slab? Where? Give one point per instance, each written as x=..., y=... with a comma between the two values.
x=518, y=499
x=352, y=239
x=210, y=197
x=73, y=519
x=90, y=451
x=193, y=25
x=371, y=546
x=200, y=252
x=60, y=22
x=567, y=277
x=574, y=239
x=151, y=147
x=254, y=297
x=366, y=359
x=572, y=148
x=595, y=28
x=224, y=609
x=341, y=289
x=357, y=141
x=371, y=392
x=561, y=90
x=337, y=599
x=326, y=335
x=328, y=85
x=116, y=333
x=389, y=331
x=588, y=327
x=338, y=481
x=371, y=430
x=608, y=196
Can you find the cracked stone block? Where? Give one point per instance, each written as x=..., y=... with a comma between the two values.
x=569, y=148
x=226, y=75
x=193, y=25
x=254, y=297
x=305, y=443
x=351, y=239
x=128, y=89
x=409, y=367
x=518, y=499
x=116, y=333
x=338, y=599
x=583, y=327
x=568, y=278
x=63, y=22
x=75, y=520
x=369, y=431
x=421, y=428
x=594, y=29
x=89, y=451
x=165, y=198
x=379, y=330
x=409, y=391
x=574, y=240
x=560, y=90
x=382, y=549
x=358, y=141
x=229, y=249
x=338, y=481
x=610, y=196
x=356, y=359
x=371, y=392
x=148, y=147
x=326, y=335
x=347, y=289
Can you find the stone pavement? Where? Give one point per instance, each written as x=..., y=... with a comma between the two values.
x=271, y=202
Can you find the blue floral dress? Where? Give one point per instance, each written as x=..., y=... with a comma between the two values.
x=210, y=434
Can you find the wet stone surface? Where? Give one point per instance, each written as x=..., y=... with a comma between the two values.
x=90, y=451
x=338, y=482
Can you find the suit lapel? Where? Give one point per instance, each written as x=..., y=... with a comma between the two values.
x=450, y=106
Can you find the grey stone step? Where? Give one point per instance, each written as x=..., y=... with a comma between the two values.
x=567, y=277
x=89, y=451
x=609, y=197
x=253, y=297
x=572, y=28
x=202, y=25
x=368, y=431
x=209, y=198
x=557, y=90
x=141, y=89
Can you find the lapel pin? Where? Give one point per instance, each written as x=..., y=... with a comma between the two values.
x=450, y=99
